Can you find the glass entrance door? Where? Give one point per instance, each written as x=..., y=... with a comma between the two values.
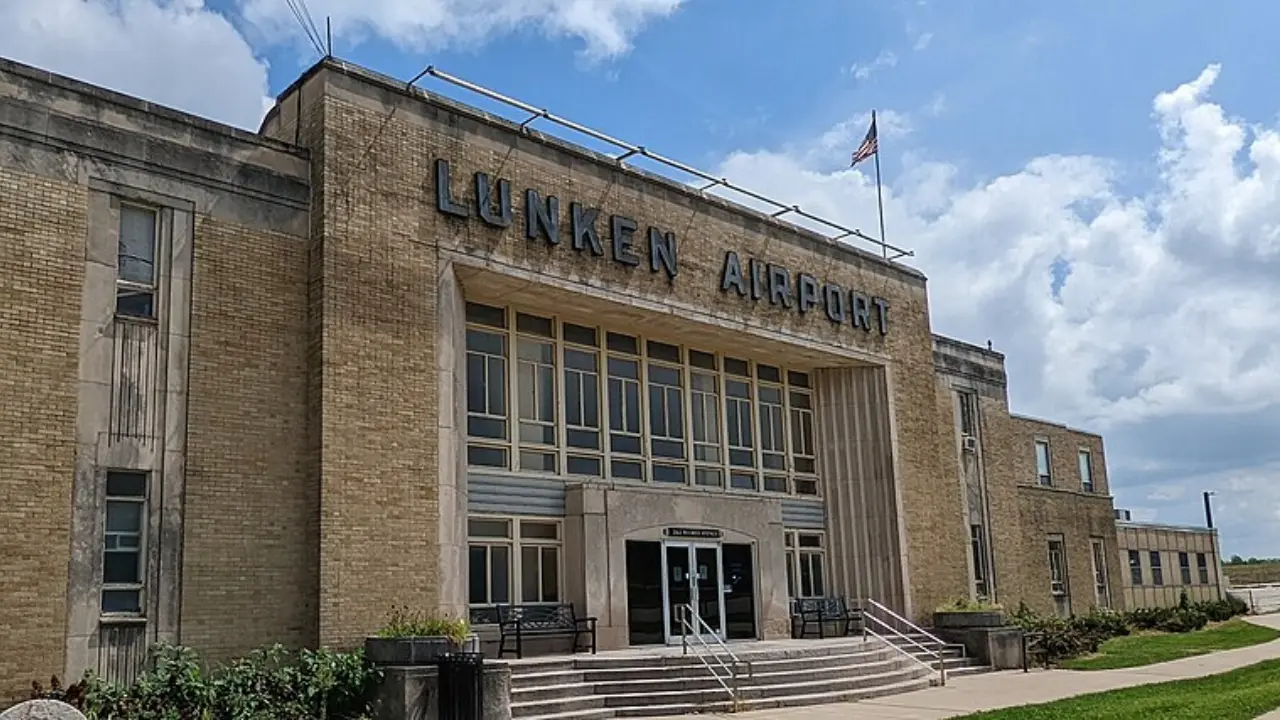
x=693, y=578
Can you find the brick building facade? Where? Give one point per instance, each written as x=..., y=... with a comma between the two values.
x=392, y=350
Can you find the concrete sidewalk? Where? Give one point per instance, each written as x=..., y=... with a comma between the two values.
x=992, y=691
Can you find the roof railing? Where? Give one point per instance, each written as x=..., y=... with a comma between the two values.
x=841, y=232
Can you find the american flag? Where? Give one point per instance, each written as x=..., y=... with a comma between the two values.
x=870, y=144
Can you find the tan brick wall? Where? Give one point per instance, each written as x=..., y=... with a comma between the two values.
x=42, y=239
x=249, y=555
x=379, y=325
x=1024, y=514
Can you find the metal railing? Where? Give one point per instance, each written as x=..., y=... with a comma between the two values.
x=629, y=150
x=724, y=665
x=935, y=654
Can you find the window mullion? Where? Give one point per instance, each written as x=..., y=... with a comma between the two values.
x=511, y=361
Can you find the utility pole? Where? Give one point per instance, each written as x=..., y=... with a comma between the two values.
x=1208, y=509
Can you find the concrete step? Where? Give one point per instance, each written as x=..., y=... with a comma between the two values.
x=622, y=684
x=583, y=661
x=600, y=714
x=778, y=702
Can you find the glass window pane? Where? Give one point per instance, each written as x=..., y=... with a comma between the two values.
x=774, y=483
x=137, y=245
x=663, y=351
x=538, y=461
x=482, y=456
x=737, y=367
x=539, y=530
x=135, y=303
x=486, y=315
x=585, y=439
x=122, y=601
x=478, y=575
x=626, y=470
x=486, y=342
x=580, y=335
x=709, y=477
x=769, y=373
x=550, y=575
x=819, y=585
x=529, y=583
x=798, y=379
x=124, y=516
x=578, y=465
x=742, y=481
x=669, y=474
x=629, y=444
x=500, y=573
x=482, y=527
x=806, y=577
x=697, y=358
x=535, y=325
x=120, y=568
x=496, y=386
x=622, y=343
x=127, y=484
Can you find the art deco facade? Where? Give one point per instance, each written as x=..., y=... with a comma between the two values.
x=391, y=350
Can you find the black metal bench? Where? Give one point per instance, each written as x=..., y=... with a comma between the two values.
x=820, y=611
x=521, y=621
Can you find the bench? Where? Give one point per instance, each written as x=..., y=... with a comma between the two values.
x=820, y=611
x=522, y=621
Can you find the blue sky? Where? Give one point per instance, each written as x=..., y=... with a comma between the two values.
x=1094, y=186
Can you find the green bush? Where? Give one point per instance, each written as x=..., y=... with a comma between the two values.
x=1183, y=619
x=1149, y=618
x=270, y=684
x=404, y=622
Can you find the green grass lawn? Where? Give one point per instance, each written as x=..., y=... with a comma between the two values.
x=1150, y=648
x=1241, y=694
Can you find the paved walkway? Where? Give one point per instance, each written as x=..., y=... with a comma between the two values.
x=991, y=691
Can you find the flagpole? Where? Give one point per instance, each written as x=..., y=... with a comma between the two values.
x=879, y=196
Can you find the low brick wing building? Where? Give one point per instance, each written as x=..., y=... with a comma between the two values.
x=394, y=351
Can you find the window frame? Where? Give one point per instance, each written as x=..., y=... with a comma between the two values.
x=1101, y=576
x=1202, y=567
x=794, y=412
x=1058, y=578
x=142, y=501
x=1084, y=465
x=1157, y=568
x=801, y=556
x=126, y=287
x=1135, y=568
x=981, y=571
x=1184, y=567
x=1044, y=479
x=515, y=543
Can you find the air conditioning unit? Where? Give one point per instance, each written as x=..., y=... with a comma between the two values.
x=970, y=444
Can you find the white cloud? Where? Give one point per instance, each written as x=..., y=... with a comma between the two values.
x=885, y=60
x=605, y=26
x=173, y=52
x=922, y=42
x=1165, y=334
x=1165, y=493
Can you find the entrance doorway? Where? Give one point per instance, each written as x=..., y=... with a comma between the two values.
x=693, y=579
x=715, y=581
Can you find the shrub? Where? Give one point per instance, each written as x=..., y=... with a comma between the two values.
x=1099, y=626
x=1149, y=618
x=1183, y=620
x=269, y=684
x=404, y=622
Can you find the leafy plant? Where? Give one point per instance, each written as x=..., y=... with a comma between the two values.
x=963, y=604
x=403, y=622
x=72, y=695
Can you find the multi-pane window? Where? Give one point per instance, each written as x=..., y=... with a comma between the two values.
x=1042, y=463
x=803, y=456
x=123, y=553
x=978, y=546
x=582, y=401
x=1184, y=568
x=773, y=434
x=136, y=262
x=1135, y=567
x=806, y=558
x=968, y=414
x=512, y=561
x=486, y=386
x=1202, y=565
x=1057, y=567
x=738, y=419
x=567, y=399
x=1100, y=572
x=625, y=439
x=666, y=413
x=1157, y=573
x=1085, y=460
x=536, y=393
x=704, y=385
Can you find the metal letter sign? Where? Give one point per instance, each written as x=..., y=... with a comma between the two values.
x=697, y=533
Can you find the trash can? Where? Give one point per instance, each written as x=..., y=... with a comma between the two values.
x=461, y=686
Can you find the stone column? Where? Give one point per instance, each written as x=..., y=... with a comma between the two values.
x=451, y=366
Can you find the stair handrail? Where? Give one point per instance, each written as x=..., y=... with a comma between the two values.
x=941, y=669
x=936, y=654
x=683, y=613
x=919, y=630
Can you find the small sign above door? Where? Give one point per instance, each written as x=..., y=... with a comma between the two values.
x=700, y=533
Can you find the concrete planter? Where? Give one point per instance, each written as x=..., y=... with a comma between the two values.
x=424, y=650
x=965, y=620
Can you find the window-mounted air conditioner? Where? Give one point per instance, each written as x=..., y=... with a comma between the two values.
x=970, y=444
